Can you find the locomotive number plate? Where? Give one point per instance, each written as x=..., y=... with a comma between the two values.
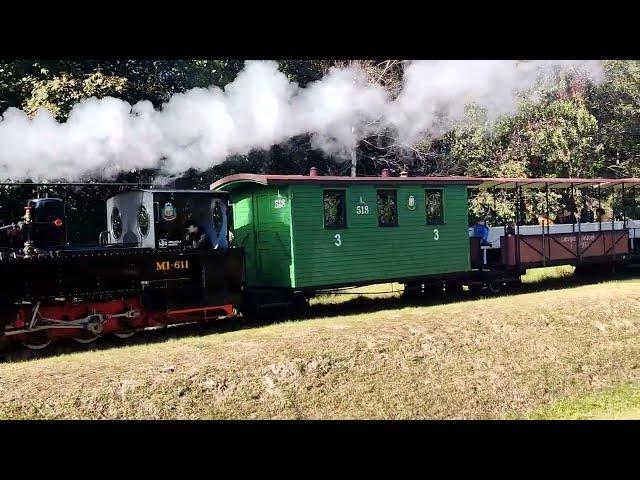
x=175, y=265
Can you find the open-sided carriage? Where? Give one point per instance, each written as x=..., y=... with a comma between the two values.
x=579, y=239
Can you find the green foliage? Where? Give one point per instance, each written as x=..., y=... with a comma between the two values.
x=616, y=105
x=555, y=136
x=61, y=93
x=304, y=71
x=57, y=85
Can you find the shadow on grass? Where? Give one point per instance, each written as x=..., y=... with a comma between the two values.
x=354, y=306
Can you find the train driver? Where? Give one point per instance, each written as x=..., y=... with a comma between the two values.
x=196, y=237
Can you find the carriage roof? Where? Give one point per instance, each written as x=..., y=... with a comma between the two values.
x=335, y=180
x=558, y=183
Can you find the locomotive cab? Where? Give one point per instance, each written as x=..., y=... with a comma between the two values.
x=158, y=219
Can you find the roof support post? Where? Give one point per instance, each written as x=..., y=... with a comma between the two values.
x=495, y=210
x=599, y=208
x=604, y=248
x=519, y=214
x=544, y=249
x=624, y=210
x=613, y=222
x=546, y=192
x=573, y=214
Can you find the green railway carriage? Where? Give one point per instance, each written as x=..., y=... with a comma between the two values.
x=306, y=233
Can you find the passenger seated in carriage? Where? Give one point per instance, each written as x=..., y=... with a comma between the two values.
x=566, y=217
x=586, y=216
x=602, y=215
x=544, y=220
x=481, y=230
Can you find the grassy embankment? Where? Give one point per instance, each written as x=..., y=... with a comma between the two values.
x=548, y=352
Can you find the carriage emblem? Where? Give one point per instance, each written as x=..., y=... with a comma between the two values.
x=411, y=203
x=169, y=213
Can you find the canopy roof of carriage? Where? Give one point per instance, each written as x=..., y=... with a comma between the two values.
x=558, y=183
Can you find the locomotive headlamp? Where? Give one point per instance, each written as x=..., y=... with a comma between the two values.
x=57, y=222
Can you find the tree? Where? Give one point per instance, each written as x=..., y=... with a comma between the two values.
x=59, y=94
x=304, y=72
x=616, y=105
x=58, y=85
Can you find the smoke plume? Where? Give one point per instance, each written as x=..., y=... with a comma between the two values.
x=259, y=109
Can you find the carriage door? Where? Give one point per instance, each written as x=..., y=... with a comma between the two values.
x=271, y=233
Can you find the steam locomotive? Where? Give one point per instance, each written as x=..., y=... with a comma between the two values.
x=140, y=274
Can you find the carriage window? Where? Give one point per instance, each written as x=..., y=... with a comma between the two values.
x=116, y=223
x=334, y=209
x=143, y=221
x=387, y=208
x=434, y=207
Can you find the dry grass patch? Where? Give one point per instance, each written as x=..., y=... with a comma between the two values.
x=488, y=358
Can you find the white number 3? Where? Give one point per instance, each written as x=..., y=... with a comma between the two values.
x=338, y=240
x=436, y=234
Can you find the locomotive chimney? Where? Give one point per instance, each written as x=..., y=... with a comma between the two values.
x=313, y=172
x=385, y=172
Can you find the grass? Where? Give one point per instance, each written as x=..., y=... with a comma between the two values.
x=384, y=290
x=549, y=352
x=539, y=275
x=618, y=402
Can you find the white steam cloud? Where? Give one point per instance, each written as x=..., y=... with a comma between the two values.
x=259, y=109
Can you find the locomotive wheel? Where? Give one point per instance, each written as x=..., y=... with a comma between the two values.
x=125, y=334
x=495, y=287
x=86, y=338
x=37, y=342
